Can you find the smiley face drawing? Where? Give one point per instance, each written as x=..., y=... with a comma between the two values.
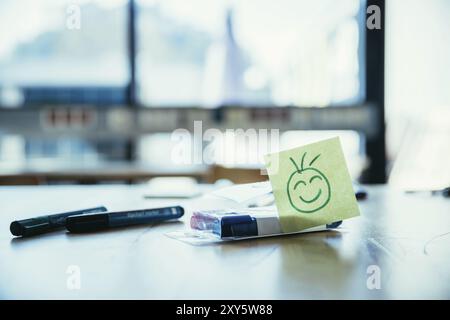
x=308, y=189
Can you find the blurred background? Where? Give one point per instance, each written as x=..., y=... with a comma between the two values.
x=92, y=90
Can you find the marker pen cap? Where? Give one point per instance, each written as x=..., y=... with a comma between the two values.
x=30, y=227
x=236, y=226
x=87, y=222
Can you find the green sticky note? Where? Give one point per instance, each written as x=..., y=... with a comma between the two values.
x=311, y=185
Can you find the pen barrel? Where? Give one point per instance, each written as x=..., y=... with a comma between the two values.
x=31, y=227
x=120, y=219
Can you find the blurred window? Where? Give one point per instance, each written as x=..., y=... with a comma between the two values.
x=252, y=52
x=63, y=51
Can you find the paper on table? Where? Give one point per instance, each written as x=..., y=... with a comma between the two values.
x=244, y=192
x=312, y=185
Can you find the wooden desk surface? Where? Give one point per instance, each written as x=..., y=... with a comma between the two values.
x=406, y=236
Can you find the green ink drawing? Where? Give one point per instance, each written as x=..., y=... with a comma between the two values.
x=308, y=189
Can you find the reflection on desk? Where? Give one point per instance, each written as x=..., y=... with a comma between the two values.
x=405, y=236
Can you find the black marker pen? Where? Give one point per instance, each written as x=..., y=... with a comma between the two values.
x=43, y=224
x=99, y=221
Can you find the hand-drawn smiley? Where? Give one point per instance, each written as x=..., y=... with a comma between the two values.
x=308, y=189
